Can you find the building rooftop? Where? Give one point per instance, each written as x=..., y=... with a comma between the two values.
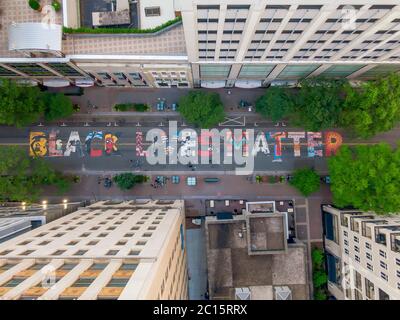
x=250, y=253
x=168, y=42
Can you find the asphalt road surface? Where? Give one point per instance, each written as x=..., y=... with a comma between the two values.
x=123, y=155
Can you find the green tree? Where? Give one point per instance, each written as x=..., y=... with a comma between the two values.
x=22, y=178
x=319, y=104
x=19, y=105
x=320, y=294
x=367, y=178
x=372, y=108
x=306, y=180
x=58, y=106
x=318, y=258
x=320, y=278
x=126, y=181
x=202, y=109
x=276, y=104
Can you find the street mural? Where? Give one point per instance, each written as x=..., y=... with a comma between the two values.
x=98, y=143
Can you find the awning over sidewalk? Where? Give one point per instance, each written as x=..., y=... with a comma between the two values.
x=248, y=84
x=84, y=83
x=56, y=83
x=213, y=84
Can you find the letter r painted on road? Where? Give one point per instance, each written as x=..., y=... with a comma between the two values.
x=333, y=141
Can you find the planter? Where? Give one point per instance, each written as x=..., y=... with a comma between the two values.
x=35, y=5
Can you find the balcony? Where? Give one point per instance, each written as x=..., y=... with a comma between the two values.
x=395, y=242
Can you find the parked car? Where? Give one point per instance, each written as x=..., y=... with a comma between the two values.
x=326, y=179
x=174, y=107
x=107, y=183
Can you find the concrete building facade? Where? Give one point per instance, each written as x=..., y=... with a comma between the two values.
x=218, y=43
x=255, y=43
x=108, y=250
x=362, y=254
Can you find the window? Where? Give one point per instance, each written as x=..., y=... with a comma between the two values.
x=72, y=243
x=58, y=252
x=398, y=273
x=13, y=282
x=357, y=258
x=121, y=243
x=346, y=243
x=367, y=245
x=128, y=266
x=370, y=267
x=112, y=252
x=398, y=261
x=345, y=233
x=134, y=252
x=98, y=266
x=80, y=252
x=383, y=265
x=356, y=249
x=117, y=282
x=383, y=295
x=83, y=282
x=215, y=71
x=355, y=239
x=27, y=252
x=382, y=254
x=384, y=276
x=3, y=253
x=152, y=11
x=92, y=243
x=129, y=235
x=346, y=251
x=141, y=243
x=368, y=255
x=369, y=289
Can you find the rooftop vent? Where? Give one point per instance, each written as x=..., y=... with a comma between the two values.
x=283, y=293
x=242, y=294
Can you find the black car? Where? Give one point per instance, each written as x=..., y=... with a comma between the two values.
x=107, y=183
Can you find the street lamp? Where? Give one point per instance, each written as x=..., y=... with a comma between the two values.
x=24, y=206
x=65, y=201
x=44, y=203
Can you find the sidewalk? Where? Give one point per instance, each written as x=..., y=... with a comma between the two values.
x=229, y=187
x=104, y=98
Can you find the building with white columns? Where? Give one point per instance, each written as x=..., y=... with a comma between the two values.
x=218, y=43
x=247, y=43
x=362, y=254
x=109, y=250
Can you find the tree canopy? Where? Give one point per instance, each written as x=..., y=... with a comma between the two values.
x=126, y=181
x=20, y=105
x=319, y=103
x=367, y=178
x=374, y=107
x=306, y=180
x=202, y=109
x=276, y=104
x=22, y=178
x=57, y=106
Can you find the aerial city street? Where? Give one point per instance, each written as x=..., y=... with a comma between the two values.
x=200, y=150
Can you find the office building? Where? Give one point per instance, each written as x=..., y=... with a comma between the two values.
x=255, y=43
x=108, y=250
x=47, y=53
x=218, y=43
x=362, y=254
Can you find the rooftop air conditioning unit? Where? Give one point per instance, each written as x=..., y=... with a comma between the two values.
x=283, y=293
x=242, y=294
